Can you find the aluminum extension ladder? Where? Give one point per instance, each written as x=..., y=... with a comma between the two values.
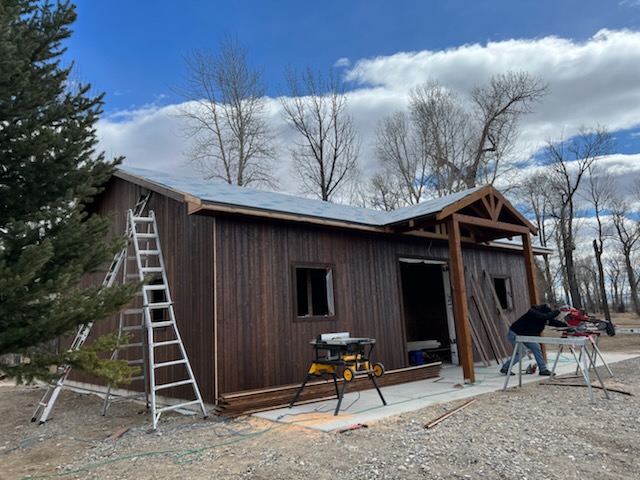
x=163, y=353
x=51, y=395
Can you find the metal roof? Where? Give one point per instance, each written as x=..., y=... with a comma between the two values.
x=210, y=192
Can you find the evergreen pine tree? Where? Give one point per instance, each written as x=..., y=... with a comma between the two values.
x=49, y=171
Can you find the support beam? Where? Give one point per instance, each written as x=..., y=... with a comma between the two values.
x=461, y=307
x=531, y=269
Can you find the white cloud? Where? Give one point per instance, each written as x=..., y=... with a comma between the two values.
x=596, y=81
x=342, y=62
x=148, y=137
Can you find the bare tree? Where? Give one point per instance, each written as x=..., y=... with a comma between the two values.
x=535, y=195
x=617, y=282
x=628, y=235
x=444, y=135
x=600, y=193
x=325, y=157
x=448, y=146
x=586, y=273
x=569, y=162
x=225, y=116
x=405, y=165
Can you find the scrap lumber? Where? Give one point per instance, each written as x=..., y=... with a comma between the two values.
x=609, y=389
x=433, y=423
x=496, y=301
x=479, y=346
x=492, y=328
x=241, y=403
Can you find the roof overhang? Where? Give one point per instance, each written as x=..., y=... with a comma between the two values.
x=483, y=212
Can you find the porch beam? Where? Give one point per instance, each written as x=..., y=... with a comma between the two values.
x=461, y=307
x=487, y=223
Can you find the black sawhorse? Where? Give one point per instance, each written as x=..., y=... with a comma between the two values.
x=348, y=355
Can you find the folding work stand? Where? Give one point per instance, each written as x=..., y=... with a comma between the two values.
x=348, y=354
x=580, y=342
x=595, y=351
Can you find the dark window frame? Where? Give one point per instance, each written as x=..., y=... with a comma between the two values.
x=503, y=286
x=314, y=274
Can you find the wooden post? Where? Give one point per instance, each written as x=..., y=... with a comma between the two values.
x=460, y=304
x=531, y=269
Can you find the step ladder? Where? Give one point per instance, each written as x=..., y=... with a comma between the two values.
x=53, y=390
x=152, y=324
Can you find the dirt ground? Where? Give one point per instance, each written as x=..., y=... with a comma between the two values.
x=535, y=432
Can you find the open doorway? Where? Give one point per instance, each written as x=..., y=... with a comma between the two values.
x=428, y=310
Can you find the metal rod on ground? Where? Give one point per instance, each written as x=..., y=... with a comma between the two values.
x=610, y=389
x=433, y=423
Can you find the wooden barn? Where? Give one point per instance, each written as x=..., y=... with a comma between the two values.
x=256, y=275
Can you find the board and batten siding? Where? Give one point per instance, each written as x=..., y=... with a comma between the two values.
x=263, y=343
x=187, y=248
x=237, y=271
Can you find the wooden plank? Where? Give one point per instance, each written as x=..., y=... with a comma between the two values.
x=488, y=223
x=433, y=423
x=239, y=403
x=479, y=345
x=490, y=327
x=496, y=301
x=492, y=344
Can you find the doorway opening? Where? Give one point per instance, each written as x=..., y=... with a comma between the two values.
x=428, y=311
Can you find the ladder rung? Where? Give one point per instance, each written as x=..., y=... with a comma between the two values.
x=132, y=328
x=155, y=288
x=173, y=384
x=131, y=345
x=133, y=311
x=169, y=364
x=146, y=235
x=151, y=269
x=158, y=305
x=149, y=252
x=176, y=407
x=143, y=219
x=165, y=343
x=139, y=361
x=166, y=323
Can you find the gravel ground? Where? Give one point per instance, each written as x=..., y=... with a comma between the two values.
x=534, y=432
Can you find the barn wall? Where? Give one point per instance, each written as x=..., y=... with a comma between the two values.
x=262, y=343
x=187, y=244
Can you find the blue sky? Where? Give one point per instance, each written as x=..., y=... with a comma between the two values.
x=587, y=50
x=133, y=50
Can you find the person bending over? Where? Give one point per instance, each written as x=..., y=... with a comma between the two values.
x=532, y=323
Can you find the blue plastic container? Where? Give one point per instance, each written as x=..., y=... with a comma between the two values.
x=415, y=357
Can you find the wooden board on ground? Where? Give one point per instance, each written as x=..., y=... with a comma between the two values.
x=240, y=403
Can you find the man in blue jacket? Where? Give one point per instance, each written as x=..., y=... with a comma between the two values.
x=532, y=323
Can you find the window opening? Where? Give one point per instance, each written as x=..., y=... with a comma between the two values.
x=502, y=286
x=314, y=292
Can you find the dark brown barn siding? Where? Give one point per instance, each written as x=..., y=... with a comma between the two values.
x=260, y=341
x=187, y=245
x=264, y=344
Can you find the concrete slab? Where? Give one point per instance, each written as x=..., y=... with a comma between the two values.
x=360, y=408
